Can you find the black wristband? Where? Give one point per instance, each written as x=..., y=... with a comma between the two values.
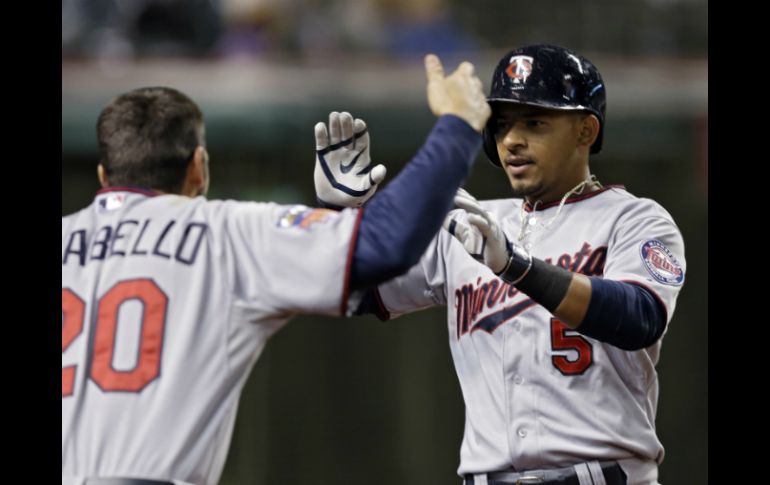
x=326, y=205
x=546, y=284
x=519, y=264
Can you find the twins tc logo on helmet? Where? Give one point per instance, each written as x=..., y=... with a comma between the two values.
x=519, y=68
x=661, y=264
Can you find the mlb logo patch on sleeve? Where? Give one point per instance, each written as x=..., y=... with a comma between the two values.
x=661, y=264
x=304, y=217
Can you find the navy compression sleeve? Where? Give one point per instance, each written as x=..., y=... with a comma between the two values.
x=625, y=315
x=401, y=219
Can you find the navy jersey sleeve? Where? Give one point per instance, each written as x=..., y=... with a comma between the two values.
x=400, y=220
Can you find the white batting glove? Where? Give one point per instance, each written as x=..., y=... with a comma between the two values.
x=484, y=239
x=344, y=175
x=456, y=223
x=481, y=235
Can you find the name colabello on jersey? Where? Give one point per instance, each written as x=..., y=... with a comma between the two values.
x=136, y=238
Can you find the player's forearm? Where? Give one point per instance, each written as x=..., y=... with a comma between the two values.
x=401, y=219
x=574, y=305
x=622, y=314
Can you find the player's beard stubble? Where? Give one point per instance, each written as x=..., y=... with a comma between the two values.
x=524, y=188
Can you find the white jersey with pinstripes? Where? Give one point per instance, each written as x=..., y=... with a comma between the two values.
x=537, y=394
x=167, y=302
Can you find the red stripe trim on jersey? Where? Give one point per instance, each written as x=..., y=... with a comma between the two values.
x=349, y=264
x=384, y=313
x=135, y=190
x=654, y=293
x=577, y=198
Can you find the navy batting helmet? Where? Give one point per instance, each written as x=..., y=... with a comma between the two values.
x=550, y=77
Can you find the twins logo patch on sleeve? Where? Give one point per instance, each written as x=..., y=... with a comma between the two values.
x=661, y=264
x=304, y=217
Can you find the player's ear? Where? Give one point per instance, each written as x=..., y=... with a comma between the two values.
x=198, y=171
x=102, y=174
x=589, y=130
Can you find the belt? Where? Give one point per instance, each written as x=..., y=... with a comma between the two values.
x=591, y=473
x=125, y=481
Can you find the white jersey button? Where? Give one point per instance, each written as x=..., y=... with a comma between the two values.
x=517, y=326
x=522, y=433
x=518, y=379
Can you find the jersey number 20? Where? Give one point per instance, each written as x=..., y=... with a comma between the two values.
x=147, y=367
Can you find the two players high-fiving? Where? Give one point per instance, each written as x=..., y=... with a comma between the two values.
x=346, y=177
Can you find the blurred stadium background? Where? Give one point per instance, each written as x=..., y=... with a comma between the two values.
x=336, y=401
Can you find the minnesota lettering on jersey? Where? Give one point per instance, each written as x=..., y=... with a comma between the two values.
x=132, y=238
x=471, y=300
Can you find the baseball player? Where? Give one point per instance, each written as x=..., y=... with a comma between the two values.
x=557, y=299
x=168, y=299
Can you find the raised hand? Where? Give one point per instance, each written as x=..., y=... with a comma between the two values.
x=344, y=175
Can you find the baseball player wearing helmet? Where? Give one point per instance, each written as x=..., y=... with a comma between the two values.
x=168, y=299
x=557, y=299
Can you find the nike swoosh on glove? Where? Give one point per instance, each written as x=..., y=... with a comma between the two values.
x=344, y=175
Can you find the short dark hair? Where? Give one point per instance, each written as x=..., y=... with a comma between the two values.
x=148, y=136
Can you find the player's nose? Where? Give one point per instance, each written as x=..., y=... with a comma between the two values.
x=514, y=138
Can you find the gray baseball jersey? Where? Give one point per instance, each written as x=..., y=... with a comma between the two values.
x=167, y=302
x=537, y=394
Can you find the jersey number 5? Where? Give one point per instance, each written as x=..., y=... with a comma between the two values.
x=561, y=341
x=154, y=303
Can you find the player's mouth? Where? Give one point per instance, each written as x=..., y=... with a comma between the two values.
x=516, y=165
